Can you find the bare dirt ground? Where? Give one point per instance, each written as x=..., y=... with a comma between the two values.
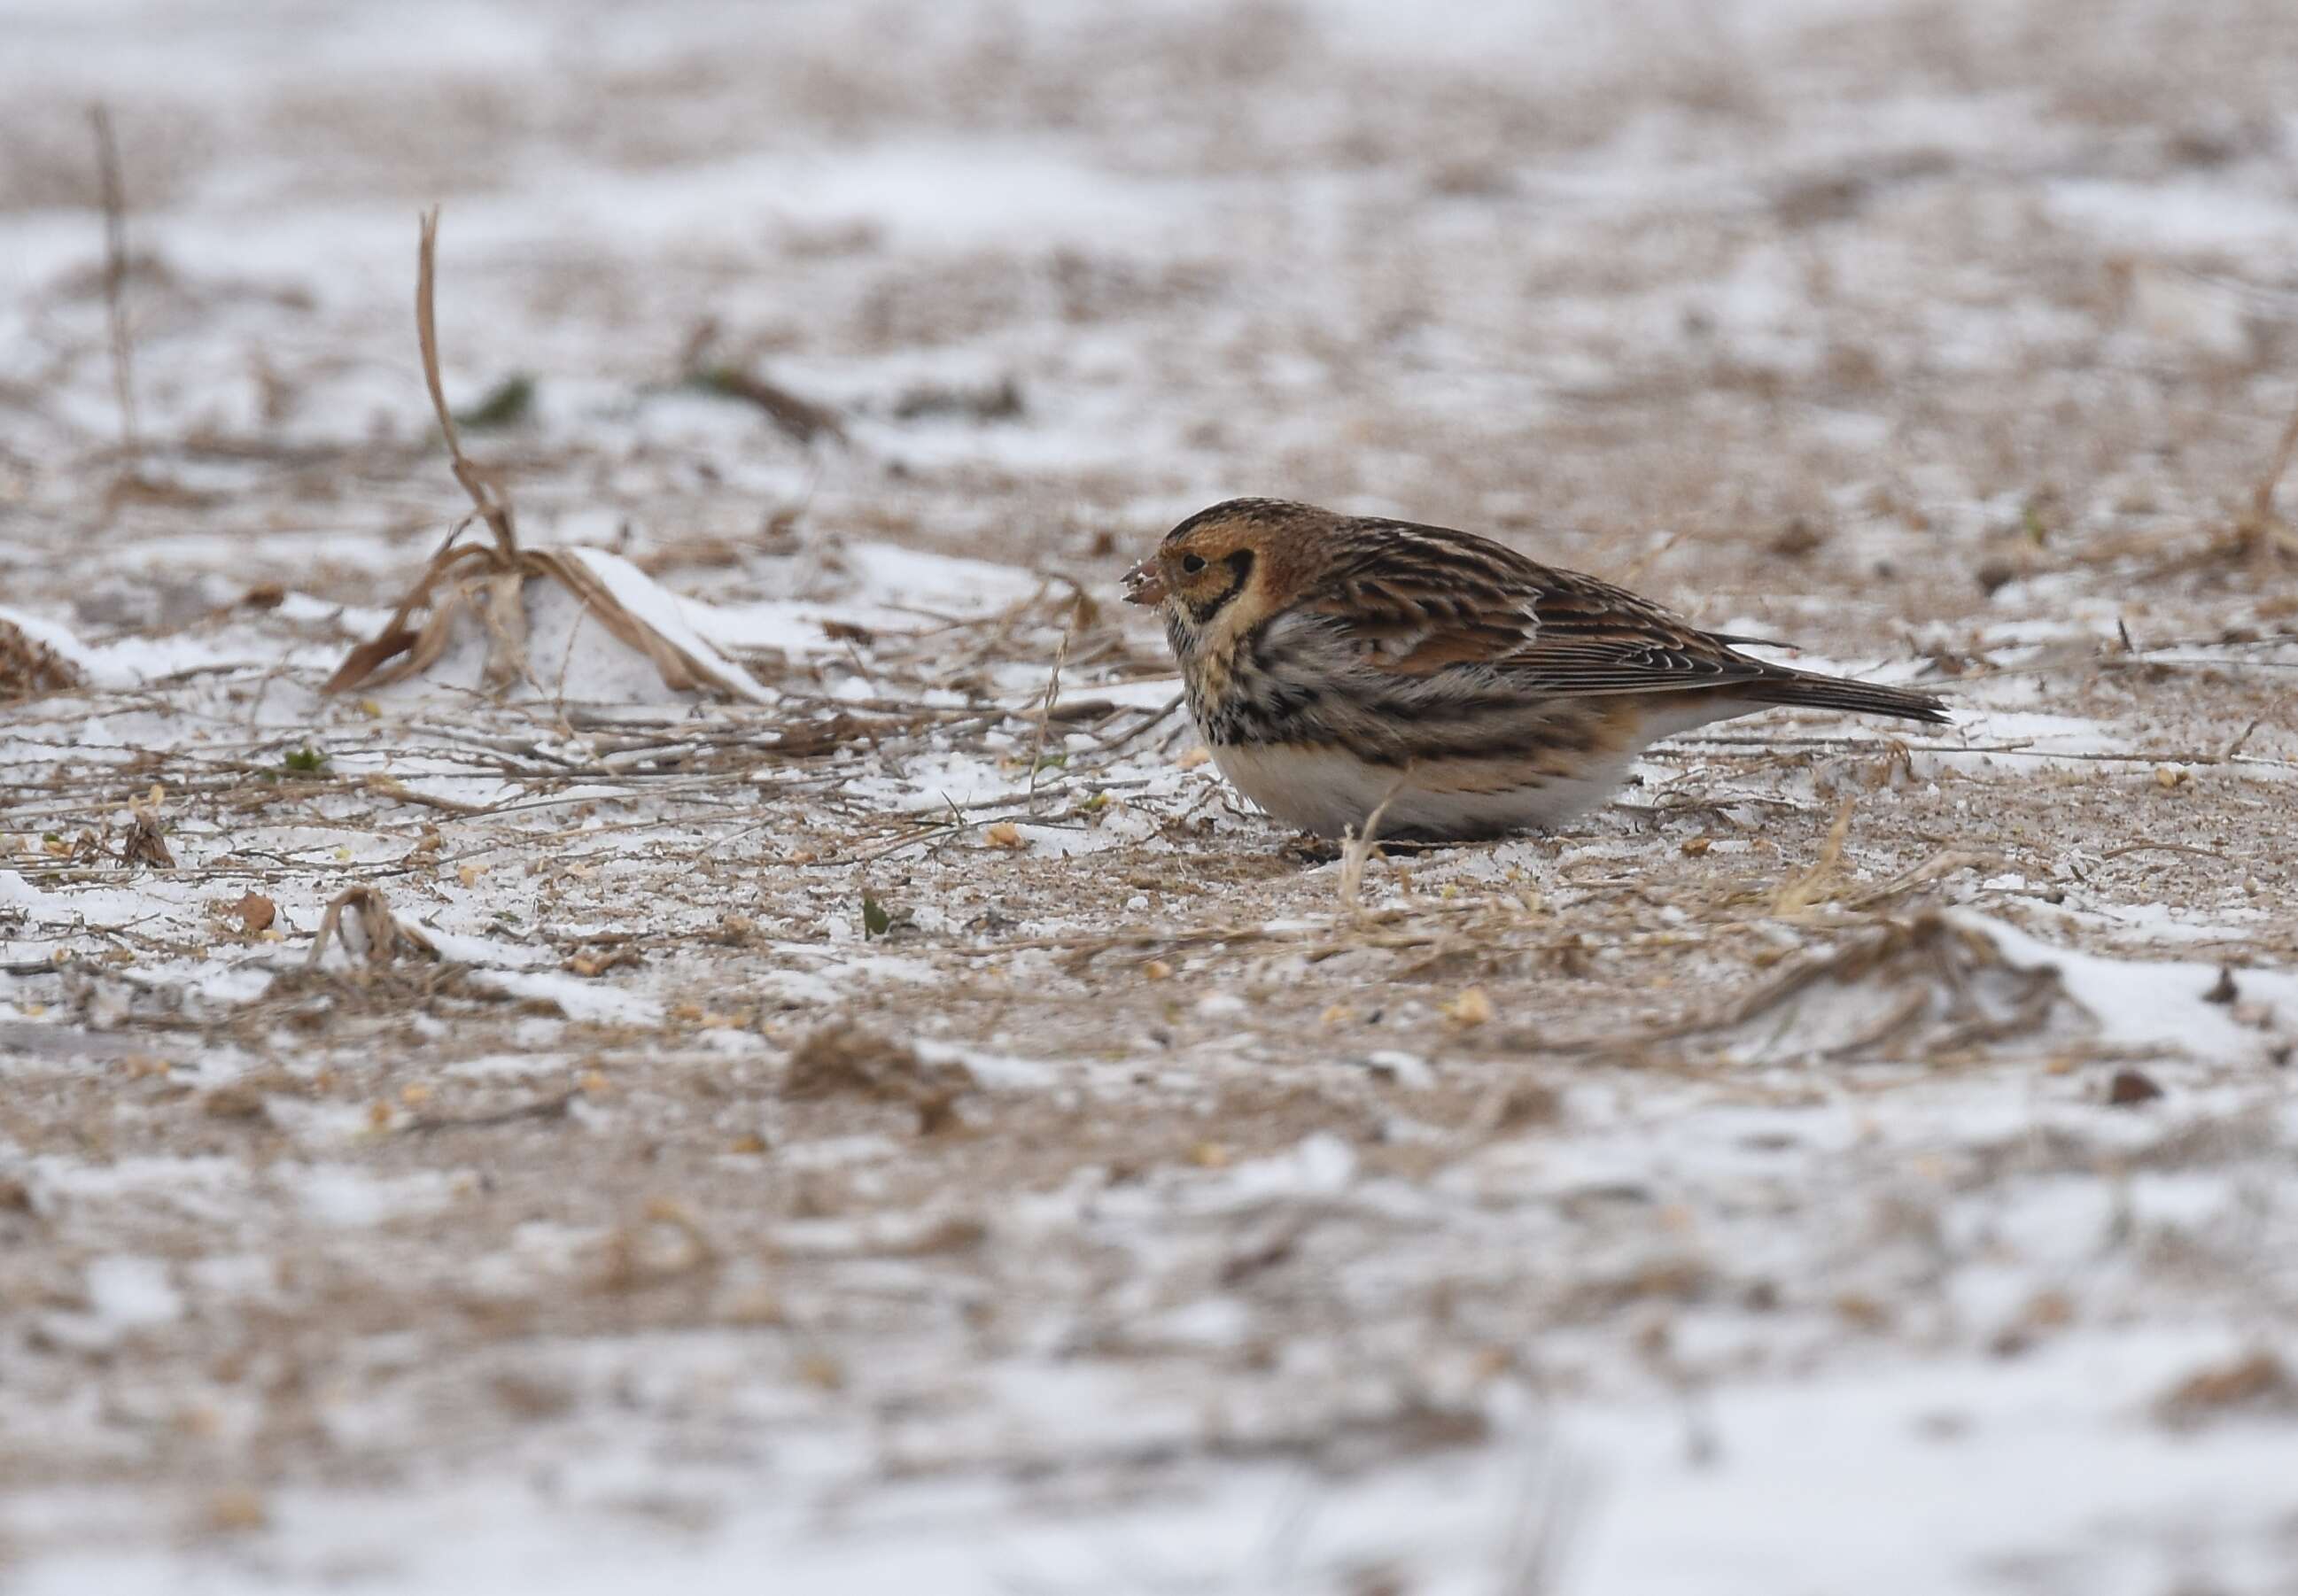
x=910, y=1127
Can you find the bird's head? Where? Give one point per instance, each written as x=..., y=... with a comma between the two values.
x=1220, y=571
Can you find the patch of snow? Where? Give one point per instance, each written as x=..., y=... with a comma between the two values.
x=131, y=1293
x=2143, y=1004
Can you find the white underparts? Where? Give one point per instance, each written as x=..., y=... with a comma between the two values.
x=1327, y=790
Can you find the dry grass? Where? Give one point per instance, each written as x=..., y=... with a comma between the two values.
x=491, y=583
x=30, y=669
x=115, y=276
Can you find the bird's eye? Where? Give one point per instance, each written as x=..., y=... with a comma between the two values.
x=1192, y=564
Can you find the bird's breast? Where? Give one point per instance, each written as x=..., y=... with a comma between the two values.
x=1207, y=679
x=1253, y=692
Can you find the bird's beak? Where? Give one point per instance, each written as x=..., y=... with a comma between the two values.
x=1143, y=585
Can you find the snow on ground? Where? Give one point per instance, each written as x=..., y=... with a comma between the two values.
x=909, y=1125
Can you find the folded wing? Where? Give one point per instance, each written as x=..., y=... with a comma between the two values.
x=1419, y=599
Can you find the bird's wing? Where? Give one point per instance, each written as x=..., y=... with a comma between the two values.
x=1414, y=600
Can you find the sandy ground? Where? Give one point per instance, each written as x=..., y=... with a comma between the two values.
x=905, y=1125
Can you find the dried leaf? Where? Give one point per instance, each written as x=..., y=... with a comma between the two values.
x=503, y=609
x=414, y=650
x=383, y=936
x=2130, y=1087
x=145, y=844
x=2258, y=1382
x=363, y=661
x=256, y=913
x=1472, y=1007
x=680, y=669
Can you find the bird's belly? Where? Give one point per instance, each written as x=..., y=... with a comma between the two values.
x=1327, y=790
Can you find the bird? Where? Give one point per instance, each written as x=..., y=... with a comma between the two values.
x=1343, y=667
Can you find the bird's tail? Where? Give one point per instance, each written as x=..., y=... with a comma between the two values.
x=1812, y=691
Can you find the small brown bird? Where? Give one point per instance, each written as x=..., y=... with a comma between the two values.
x=1335, y=663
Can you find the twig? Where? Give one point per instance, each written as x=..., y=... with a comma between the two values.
x=2165, y=848
x=2262, y=496
x=545, y=1108
x=1356, y=852
x=1046, y=708
x=115, y=274
x=1943, y=863
x=493, y=508
x=390, y=787
x=802, y=420
x=1085, y=947
x=1112, y=742
x=1817, y=884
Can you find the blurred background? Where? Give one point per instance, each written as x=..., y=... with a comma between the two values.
x=1852, y=279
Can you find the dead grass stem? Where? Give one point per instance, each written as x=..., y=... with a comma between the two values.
x=489, y=584
x=115, y=278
